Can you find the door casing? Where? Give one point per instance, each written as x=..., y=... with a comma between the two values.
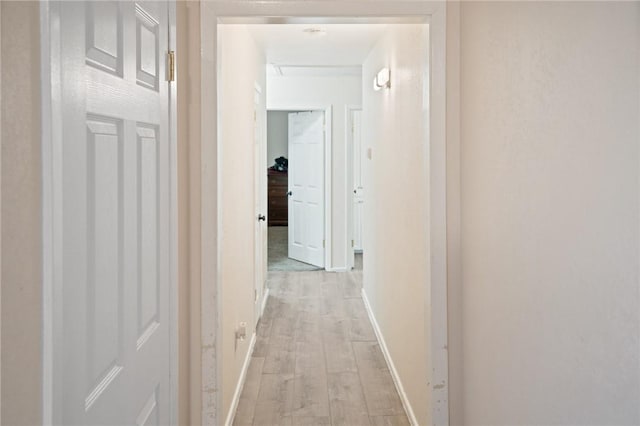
x=260, y=244
x=348, y=117
x=207, y=17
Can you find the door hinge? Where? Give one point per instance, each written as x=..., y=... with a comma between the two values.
x=323, y=243
x=352, y=243
x=171, y=66
x=255, y=295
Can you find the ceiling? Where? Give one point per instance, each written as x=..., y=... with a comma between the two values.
x=327, y=49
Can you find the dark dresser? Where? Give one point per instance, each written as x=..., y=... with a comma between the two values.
x=278, y=185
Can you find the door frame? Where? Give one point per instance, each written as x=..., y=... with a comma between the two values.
x=441, y=165
x=260, y=188
x=348, y=137
x=52, y=140
x=327, y=109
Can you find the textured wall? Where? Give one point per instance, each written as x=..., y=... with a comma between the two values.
x=21, y=215
x=550, y=240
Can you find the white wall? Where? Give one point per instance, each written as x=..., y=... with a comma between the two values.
x=396, y=225
x=277, y=135
x=300, y=91
x=550, y=129
x=242, y=64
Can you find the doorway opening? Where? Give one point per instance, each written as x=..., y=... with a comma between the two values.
x=353, y=186
x=432, y=281
x=296, y=188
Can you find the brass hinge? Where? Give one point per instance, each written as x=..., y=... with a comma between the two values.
x=352, y=243
x=171, y=66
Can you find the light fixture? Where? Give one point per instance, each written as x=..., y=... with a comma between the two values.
x=382, y=79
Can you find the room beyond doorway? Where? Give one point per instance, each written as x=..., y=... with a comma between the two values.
x=278, y=256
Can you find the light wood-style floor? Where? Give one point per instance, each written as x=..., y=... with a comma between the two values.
x=316, y=359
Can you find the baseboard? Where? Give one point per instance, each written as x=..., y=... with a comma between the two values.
x=245, y=367
x=337, y=269
x=392, y=368
x=264, y=302
x=243, y=375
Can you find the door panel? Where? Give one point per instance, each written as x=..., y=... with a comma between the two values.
x=112, y=358
x=260, y=207
x=358, y=195
x=306, y=186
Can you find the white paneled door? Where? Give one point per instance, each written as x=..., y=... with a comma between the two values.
x=306, y=187
x=260, y=174
x=113, y=217
x=358, y=189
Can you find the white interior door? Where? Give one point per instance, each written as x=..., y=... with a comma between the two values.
x=358, y=195
x=306, y=187
x=112, y=340
x=260, y=170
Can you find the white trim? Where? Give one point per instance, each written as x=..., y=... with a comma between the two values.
x=328, y=193
x=328, y=161
x=435, y=160
x=348, y=119
x=51, y=138
x=240, y=385
x=174, y=338
x=341, y=269
x=264, y=301
x=262, y=206
x=387, y=357
x=1, y=220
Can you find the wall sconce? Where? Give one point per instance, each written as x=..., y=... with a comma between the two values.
x=382, y=79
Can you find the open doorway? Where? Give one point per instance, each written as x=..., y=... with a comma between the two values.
x=398, y=133
x=337, y=192
x=296, y=190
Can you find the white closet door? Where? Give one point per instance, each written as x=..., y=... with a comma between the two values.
x=112, y=354
x=306, y=187
x=358, y=189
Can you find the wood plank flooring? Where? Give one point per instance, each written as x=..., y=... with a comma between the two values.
x=316, y=360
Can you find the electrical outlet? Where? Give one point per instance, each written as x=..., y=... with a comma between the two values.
x=241, y=332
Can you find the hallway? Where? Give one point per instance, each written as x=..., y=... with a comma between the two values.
x=316, y=360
